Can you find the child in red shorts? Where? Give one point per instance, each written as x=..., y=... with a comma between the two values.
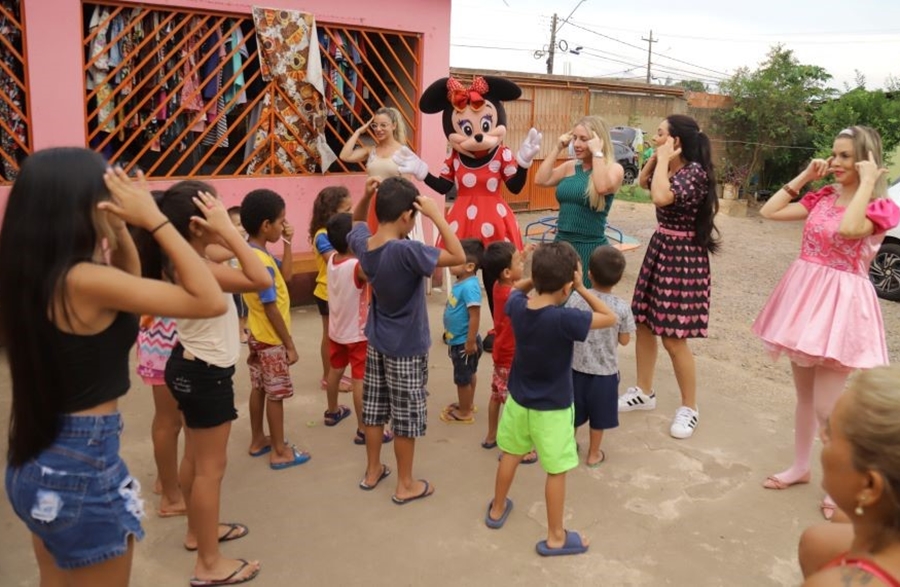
x=502, y=259
x=348, y=308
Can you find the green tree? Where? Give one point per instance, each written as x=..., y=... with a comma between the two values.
x=875, y=108
x=771, y=110
x=692, y=85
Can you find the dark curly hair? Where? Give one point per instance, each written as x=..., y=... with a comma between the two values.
x=326, y=205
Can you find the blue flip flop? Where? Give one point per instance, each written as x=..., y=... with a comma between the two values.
x=300, y=457
x=572, y=545
x=263, y=451
x=334, y=418
x=497, y=524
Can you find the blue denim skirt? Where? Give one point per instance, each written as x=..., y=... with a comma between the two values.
x=77, y=495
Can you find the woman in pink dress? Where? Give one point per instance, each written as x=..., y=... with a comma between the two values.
x=824, y=314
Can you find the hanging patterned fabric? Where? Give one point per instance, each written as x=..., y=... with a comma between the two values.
x=98, y=72
x=294, y=118
x=13, y=131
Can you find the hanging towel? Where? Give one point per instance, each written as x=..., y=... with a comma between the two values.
x=289, y=56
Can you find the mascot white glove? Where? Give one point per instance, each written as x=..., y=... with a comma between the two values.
x=529, y=149
x=410, y=164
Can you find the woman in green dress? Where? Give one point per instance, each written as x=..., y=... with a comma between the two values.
x=585, y=185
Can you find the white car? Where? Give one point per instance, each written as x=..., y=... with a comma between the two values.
x=885, y=269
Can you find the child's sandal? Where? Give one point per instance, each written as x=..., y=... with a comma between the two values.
x=333, y=418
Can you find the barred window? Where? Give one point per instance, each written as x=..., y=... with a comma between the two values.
x=15, y=141
x=182, y=92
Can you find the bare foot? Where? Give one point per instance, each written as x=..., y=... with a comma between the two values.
x=594, y=460
x=227, y=571
x=171, y=507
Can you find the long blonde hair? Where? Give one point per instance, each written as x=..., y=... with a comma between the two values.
x=597, y=125
x=871, y=424
x=397, y=119
x=867, y=140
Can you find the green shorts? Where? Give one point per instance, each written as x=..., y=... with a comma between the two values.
x=550, y=432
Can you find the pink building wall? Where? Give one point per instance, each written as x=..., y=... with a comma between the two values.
x=53, y=30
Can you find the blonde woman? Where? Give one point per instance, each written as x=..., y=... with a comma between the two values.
x=389, y=133
x=585, y=185
x=860, y=462
x=824, y=314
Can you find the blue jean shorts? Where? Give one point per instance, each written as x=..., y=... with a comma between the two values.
x=77, y=495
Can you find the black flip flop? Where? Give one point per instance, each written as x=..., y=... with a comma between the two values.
x=385, y=472
x=426, y=492
x=235, y=531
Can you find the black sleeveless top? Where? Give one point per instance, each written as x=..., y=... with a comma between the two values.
x=94, y=367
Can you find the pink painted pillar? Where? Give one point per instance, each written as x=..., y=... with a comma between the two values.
x=55, y=73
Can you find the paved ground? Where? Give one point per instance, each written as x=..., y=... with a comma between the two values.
x=659, y=512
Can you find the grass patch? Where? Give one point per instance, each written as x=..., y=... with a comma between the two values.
x=633, y=193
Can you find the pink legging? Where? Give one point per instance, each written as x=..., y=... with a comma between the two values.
x=818, y=389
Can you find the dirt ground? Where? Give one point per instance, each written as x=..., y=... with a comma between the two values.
x=659, y=512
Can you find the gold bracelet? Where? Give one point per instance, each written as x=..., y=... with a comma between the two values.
x=791, y=191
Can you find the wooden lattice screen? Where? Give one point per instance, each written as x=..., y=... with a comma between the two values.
x=179, y=92
x=15, y=125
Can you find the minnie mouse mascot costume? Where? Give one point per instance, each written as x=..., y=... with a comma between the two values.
x=475, y=126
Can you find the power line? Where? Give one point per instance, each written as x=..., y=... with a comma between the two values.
x=641, y=49
x=679, y=71
x=488, y=47
x=763, y=36
x=566, y=19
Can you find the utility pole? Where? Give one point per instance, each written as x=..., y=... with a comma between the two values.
x=650, y=42
x=552, y=49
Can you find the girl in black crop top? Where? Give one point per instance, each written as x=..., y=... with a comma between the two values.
x=70, y=288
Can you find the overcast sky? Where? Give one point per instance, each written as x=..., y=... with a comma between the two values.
x=698, y=39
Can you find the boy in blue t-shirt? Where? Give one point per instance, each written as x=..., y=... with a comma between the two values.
x=397, y=326
x=539, y=408
x=462, y=316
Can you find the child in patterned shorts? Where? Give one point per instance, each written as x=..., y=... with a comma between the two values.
x=397, y=325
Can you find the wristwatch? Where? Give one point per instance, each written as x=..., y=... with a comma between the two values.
x=598, y=154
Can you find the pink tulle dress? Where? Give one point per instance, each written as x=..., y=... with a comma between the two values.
x=824, y=311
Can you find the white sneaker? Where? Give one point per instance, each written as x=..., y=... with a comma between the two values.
x=634, y=398
x=684, y=422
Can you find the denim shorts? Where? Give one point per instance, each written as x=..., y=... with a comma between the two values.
x=77, y=495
